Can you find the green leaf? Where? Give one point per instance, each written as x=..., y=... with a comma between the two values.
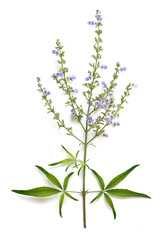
x=101, y=181
x=77, y=154
x=68, y=166
x=61, y=204
x=67, y=152
x=67, y=160
x=70, y=196
x=65, y=183
x=120, y=177
x=109, y=201
x=51, y=177
x=79, y=170
x=38, y=192
x=98, y=195
x=126, y=193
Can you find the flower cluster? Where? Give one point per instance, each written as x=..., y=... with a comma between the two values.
x=103, y=66
x=104, y=84
x=134, y=85
x=108, y=120
x=116, y=124
x=88, y=78
x=59, y=74
x=73, y=112
x=99, y=17
x=72, y=77
x=90, y=120
x=74, y=90
x=45, y=92
x=123, y=69
x=104, y=101
x=105, y=135
x=55, y=52
x=91, y=23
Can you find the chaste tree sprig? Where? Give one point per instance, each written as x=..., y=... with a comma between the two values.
x=102, y=112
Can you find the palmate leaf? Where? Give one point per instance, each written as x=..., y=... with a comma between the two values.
x=38, y=192
x=100, y=179
x=51, y=177
x=120, y=177
x=67, y=160
x=61, y=204
x=70, y=196
x=126, y=193
x=98, y=196
x=109, y=201
x=65, y=183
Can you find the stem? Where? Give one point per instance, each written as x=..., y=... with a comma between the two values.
x=71, y=133
x=84, y=192
x=84, y=170
x=98, y=133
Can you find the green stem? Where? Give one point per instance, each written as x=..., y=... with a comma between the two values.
x=97, y=134
x=84, y=170
x=84, y=192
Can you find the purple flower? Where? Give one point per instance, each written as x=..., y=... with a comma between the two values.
x=123, y=69
x=100, y=106
x=103, y=67
x=59, y=74
x=73, y=112
x=52, y=76
x=105, y=135
x=134, y=85
x=55, y=52
x=108, y=120
x=111, y=95
x=113, y=105
x=74, y=91
x=91, y=23
x=45, y=92
x=88, y=78
x=98, y=118
x=115, y=84
x=90, y=119
x=105, y=105
x=99, y=17
x=104, y=84
x=72, y=77
x=116, y=124
x=112, y=117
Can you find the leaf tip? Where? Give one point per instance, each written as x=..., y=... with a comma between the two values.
x=148, y=197
x=137, y=165
x=15, y=191
x=37, y=166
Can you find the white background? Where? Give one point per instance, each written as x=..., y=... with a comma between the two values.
x=133, y=35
